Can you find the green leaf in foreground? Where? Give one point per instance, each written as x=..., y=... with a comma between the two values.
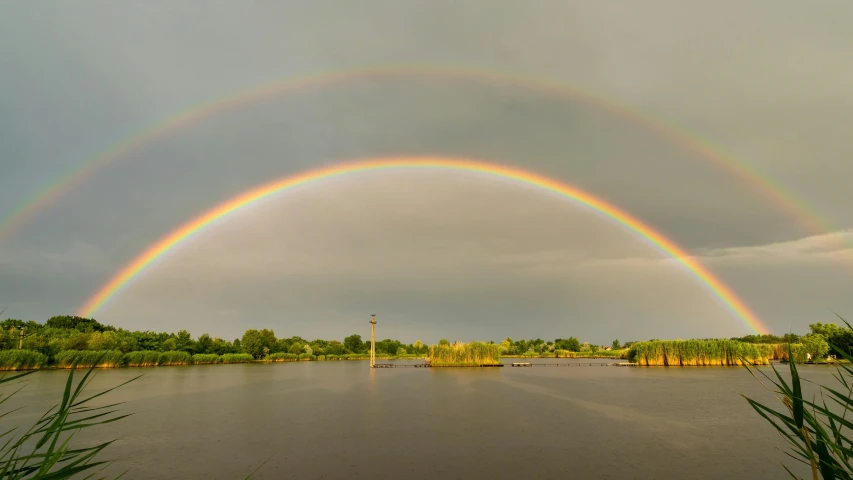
x=819, y=436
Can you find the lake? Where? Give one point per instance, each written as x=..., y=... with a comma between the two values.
x=344, y=420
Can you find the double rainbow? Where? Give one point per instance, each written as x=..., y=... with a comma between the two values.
x=773, y=192
x=250, y=197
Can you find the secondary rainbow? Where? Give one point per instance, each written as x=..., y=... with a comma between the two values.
x=181, y=234
x=772, y=191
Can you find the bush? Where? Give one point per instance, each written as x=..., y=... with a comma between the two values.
x=21, y=360
x=142, y=359
x=88, y=358
x=237, y=358
x=205, y=358
x=174, y=358
x=306, y=356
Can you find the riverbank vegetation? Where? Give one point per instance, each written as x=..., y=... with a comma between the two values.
x=21, y=360
x=62, y=340
x=460, y=354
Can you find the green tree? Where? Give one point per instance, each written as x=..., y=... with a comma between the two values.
x=335, y=348
x=354, y=344
x=252, y=343
x=401, y=351
x=616, y=345
x=816, y=345
x=571, y=344
x=835, y=335
x=169, y=345
x=184, y=341
x=443, y=341
x=204, y=344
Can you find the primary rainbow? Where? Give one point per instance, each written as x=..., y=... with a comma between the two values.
x=170, y=241
x=771, y=190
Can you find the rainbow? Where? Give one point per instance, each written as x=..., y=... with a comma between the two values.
x=773, y=192
x=184, y=232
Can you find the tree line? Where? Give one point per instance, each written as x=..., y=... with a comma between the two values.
x=68, y=332
x=77, y=333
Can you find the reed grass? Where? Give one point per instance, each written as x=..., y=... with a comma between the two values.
x=45, y=450
x=350, y=356
x=145, y=358
x=282, y=357
x=21, y=360
x=237, y=358
x=89, y=359
x=174, y=358
x=205, y=358
x=819, y=434
x=306, y=357
x=465, y=354
x=600, y=353
x=699, y=353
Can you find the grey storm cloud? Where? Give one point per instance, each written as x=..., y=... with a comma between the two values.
x=765, y=82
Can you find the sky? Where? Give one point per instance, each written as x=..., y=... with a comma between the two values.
x=435, y=254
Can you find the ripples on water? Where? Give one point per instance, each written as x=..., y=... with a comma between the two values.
x=344, y=420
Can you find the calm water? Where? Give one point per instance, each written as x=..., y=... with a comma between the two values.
x=344, y=420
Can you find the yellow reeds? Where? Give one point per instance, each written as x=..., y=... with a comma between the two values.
x=465, y=354
x=699, y=353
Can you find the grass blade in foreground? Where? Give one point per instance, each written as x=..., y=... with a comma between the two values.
x=47, y=444
x=818, y=436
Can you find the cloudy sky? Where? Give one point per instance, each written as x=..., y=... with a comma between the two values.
x=433, y=253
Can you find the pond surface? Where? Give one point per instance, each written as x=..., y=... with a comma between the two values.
x=345, y=420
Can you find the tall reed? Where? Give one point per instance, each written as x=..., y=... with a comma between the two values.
x=45, y=450
x=465, y=354
x=174, y=358
x=205, y=358
x=237, y=358
x=818, y=431
x=146, y=358
x=89, y=358
x=699, y=353
x=21, y=360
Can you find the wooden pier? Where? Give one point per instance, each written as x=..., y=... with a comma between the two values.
x=591, y=364
x=514, y=364
x=402, y=365
x=427, y=365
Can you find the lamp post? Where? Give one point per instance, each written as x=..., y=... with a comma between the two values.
x=372, y=340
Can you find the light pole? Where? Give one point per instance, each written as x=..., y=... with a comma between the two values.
x=372, y=340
